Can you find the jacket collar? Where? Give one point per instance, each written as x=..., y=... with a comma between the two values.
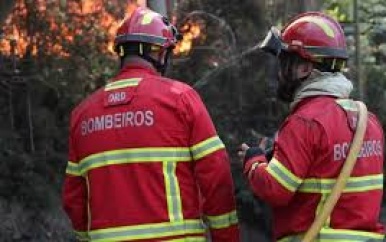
x=307, y=100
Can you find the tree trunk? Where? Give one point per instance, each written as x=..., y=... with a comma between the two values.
x=313, y=5
x=5, y=8
x=301, y=6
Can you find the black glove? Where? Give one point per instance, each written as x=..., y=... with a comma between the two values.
x=266, y=143
x=253, y=152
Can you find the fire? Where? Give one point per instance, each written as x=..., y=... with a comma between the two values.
x=66, y=20
x=69, y=22
x=190, y=32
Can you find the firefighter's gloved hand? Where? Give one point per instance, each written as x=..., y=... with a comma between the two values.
x=266, y=144
x=251, y=157
x=253, y=153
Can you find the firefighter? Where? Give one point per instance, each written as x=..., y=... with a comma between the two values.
x=311, y=145
x=146, y=163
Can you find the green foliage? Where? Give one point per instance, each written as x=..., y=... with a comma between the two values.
x=373, y=41
x=341, y=10
x=376, y=87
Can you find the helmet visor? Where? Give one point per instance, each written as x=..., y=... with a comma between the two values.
x=273, y=43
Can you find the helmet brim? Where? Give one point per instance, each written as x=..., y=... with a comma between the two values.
x=142, y=38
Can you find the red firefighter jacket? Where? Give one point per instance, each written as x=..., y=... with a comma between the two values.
x=309, y=152
x=146, y=164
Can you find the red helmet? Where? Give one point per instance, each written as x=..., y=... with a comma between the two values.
x=146, y=26
x=312, y=35
x=315, y=36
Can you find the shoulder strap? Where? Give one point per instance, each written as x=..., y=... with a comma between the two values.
x=351, y=110
x=343, y=176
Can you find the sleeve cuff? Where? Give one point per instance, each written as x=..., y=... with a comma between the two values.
x=253, y=162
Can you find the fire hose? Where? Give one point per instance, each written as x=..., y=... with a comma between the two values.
x=344, y=175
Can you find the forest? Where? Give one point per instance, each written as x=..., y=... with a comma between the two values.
x=55, y=53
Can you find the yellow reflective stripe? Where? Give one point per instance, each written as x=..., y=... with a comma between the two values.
x=284, y=176
x=349, y=235
x=122, y=84
x=135, y=155
x=354, y=184
x=72, y=169
x=173, y=195
x=206, y=147
x=148, y=18
x=148, y=231
x=81, y=236
x=327, y=29
x=223, y=221
x=338, y=235
x=347, y=104
x=189, y=239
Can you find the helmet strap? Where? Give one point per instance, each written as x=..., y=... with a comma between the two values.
x=166, y=61
x=330, y=65
x=161, y=68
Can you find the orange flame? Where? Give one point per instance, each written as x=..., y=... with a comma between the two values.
x=15, y=30
x=190, y=31
x=62, y=33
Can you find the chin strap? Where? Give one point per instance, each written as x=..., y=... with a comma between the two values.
x=166, y=61
x=161, y=68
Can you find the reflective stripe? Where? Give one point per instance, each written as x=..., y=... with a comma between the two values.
x=72, y=169
x=138, y=155
x=122, y=84
x=223, y=221
x=339, y=235
x=147, y=231
x=148, y=18
x=189, y=239
x=324, y=25
x=173, y=195
x=347, y=104
x=206, y=147
x=154, y=154
x=81, y=236
x=284, y=176
x=354, y=184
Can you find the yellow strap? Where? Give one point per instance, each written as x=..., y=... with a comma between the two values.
x=343, y=176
